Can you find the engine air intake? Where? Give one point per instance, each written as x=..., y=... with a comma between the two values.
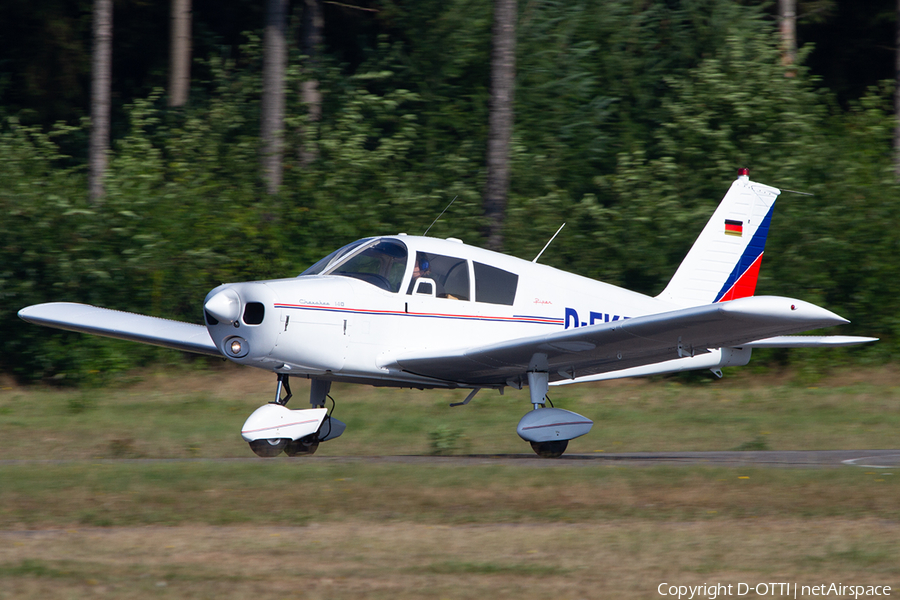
x=254, y=313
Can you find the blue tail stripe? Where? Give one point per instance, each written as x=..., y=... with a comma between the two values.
x=751, y=253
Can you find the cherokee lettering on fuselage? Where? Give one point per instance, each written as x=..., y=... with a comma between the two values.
x=595, y=317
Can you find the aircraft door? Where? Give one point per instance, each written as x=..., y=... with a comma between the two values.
x=440, y=293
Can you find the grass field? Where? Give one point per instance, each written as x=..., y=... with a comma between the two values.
x=79, y=518
x=199, y=415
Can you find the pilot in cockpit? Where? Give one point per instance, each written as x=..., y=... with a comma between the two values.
x=440, y=276
x=422, y=269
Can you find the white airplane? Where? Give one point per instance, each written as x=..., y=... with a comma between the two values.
x=420, y=312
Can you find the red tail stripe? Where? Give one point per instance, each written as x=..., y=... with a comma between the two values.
x=745, y=286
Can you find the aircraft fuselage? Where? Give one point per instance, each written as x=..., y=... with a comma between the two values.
x=348, y=326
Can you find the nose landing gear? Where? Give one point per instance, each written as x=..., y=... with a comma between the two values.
x=273, y=428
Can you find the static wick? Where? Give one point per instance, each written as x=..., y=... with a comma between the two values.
x=440, y=215
x=548, y=243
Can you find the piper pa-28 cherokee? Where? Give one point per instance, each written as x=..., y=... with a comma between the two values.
x=421, y=312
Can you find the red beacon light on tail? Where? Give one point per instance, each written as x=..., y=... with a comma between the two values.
x=743, y=172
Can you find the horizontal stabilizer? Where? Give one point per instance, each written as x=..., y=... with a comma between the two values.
x=809, y=341
x=133, y=327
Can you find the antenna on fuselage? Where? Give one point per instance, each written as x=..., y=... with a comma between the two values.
x=440, y=215
x=548, y=243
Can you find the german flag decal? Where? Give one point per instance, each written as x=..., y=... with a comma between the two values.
x=734, y=227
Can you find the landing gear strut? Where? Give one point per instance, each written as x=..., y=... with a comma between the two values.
x=284, y=383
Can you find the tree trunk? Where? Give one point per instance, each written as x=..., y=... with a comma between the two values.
x=101, y=78
x=274, y=45
x=787, y=12
x=503, y=80
x=897, y=98
x=310, y=96
x=180, y=53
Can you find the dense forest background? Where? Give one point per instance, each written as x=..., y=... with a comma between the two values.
x=630, y=121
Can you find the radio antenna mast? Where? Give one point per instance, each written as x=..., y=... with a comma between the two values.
x=440, y=215
x=548, y=243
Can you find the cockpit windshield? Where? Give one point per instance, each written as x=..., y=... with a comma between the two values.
x=379, y=262
x=331, y=259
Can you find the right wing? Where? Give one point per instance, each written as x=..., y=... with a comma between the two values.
x=615, y=346
x=133, y=327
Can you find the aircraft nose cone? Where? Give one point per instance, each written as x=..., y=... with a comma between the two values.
x=225, y=306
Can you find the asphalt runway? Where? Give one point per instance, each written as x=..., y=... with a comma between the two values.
x=869, y=459
x=813, y=459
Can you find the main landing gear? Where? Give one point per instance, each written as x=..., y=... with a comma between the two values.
x=549, y=429
x=273, y=428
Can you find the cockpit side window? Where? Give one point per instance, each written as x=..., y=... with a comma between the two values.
x=495, y=286
x=450, y=275
x=382, y=264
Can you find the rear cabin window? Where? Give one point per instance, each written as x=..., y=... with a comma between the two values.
x=495, y=286
x=449, y=274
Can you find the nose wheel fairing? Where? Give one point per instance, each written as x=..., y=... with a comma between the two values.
x=276, y=421
x=273, y=428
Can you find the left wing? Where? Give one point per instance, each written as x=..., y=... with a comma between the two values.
x=601, y=348
x=106, y=322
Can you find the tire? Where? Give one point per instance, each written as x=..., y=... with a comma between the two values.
x=305, y=446
x=268, y=448
x=553, y=449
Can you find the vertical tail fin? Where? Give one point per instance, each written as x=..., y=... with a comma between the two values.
x=723, y=264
